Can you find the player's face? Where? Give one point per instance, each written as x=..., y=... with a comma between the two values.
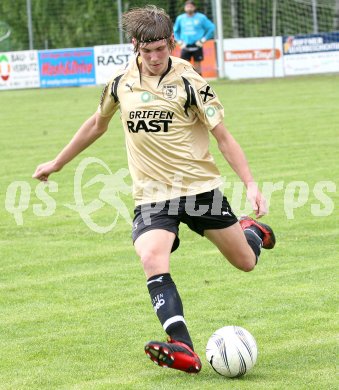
x=189, y=9
x=155, y=57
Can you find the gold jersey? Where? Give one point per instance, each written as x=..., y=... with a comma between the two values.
x=166, y=120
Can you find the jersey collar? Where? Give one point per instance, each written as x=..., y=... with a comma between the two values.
x=162, y=76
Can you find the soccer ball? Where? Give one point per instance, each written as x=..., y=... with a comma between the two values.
x=231, y=351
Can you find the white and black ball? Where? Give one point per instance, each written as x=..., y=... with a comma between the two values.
x=231, y=351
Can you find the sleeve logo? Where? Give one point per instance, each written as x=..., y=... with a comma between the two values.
x=206, y=93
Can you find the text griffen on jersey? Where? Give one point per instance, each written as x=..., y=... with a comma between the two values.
x=166, y=121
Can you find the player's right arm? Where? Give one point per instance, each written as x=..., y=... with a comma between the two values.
x=177, y=29
x=93, y=128
x=88, y=132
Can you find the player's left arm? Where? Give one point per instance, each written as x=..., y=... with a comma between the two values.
x=209, y=27
x=211, y=113
x=236, y=158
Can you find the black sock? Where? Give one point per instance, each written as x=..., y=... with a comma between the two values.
x=253, y=236
x=167, y=304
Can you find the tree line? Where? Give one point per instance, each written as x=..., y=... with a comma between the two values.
x=75, y=23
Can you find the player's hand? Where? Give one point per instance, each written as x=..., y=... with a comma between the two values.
x=257, y=200
x=181, y=44
x=44, y=170
x=200, y=43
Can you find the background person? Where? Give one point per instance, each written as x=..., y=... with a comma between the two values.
x=191, y=31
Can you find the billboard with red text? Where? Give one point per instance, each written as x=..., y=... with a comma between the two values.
x=253, y=57
x=66, y=67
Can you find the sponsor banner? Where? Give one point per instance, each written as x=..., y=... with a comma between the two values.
x=209, y=68
x=313, y=53
x=19, y=69
x=253, y=57
x=110, y=58
x=66, y=67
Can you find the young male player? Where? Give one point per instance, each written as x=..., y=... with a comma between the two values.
x=168, y=112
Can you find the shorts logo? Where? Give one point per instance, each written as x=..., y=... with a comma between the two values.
x=169, y=91
x=206, y=93
x=226, y=213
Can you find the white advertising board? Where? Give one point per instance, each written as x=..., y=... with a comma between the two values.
x=19, y=69
x=313, y=53
x=253, y=57
x=110, y=58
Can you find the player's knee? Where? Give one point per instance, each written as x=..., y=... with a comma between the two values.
x=245, y=262
x=150, y=260
x=248, y=265
x=147, y=257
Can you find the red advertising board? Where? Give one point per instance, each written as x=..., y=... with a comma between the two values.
x=209, y=66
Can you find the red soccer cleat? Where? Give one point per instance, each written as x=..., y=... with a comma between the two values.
x=173, y=354
x=268, y=239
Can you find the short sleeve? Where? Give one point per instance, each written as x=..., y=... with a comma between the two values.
x=108, y=102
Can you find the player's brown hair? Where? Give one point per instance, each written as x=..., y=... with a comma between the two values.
x=148, y=24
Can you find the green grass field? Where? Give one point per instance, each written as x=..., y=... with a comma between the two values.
x=75, y=312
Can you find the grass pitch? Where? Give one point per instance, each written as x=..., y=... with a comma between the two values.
x=75, y=312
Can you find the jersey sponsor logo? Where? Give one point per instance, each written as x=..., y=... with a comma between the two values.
x=206, y=93
x=159, y=121
x=146, y=97
x=169, y=91
x=152, y=126
x=151, y=114
x=210, y=111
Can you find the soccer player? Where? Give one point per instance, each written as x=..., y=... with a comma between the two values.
x=168, y=112
x=191, y=31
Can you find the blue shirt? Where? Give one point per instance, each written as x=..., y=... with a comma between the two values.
x=190, y=29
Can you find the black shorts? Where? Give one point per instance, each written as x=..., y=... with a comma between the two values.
x=209, y=210
x=192, y=51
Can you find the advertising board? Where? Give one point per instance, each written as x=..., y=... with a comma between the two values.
x=66, y=67
x=19, y=69
x=313, y=53
x=110, y=58
x=253, y=57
